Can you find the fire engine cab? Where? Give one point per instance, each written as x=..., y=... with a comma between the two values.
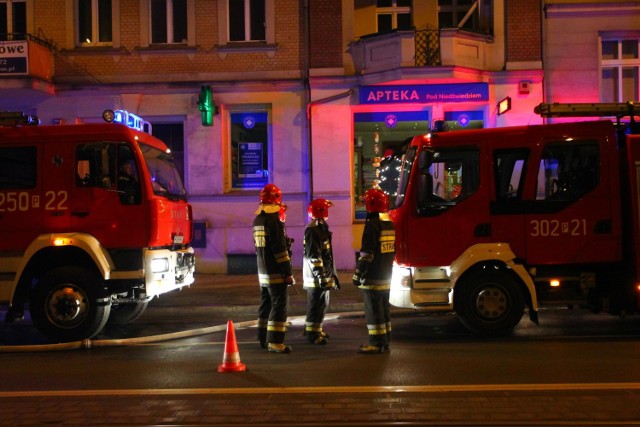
x=95, y=223
x=491, y=221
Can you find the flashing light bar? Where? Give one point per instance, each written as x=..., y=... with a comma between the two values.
x=126, y=118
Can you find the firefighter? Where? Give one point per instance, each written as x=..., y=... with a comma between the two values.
x=273, y=250
x=373, y=270
x=318, y=271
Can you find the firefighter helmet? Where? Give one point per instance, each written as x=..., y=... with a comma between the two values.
x=282, y=213
x=271, y=194
x=319, y=209
x=376, y=201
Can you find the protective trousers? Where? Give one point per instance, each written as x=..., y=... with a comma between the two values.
x=272, y=314
x=378, y=316
x=317, y=303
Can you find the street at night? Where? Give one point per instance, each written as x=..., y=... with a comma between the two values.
x=576, y=367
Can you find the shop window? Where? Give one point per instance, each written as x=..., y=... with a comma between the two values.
x=620, y=64
x=393, y=15
x=250, y=146
x=463, y=120
x=94, y=22
x=567, y=172
x=13, y=19
x=168, y=21
x=380, y=139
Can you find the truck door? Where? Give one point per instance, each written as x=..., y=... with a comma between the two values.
x=452, y=207
x=57, y=167
x=107, y=195
x=20, y=196
x=571, y=218
x=507, y=206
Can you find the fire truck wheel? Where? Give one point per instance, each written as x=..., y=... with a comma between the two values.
x=489, y=302
x=68, y=304
x=123, y=314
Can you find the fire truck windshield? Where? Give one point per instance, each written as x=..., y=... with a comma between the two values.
x=165, y=178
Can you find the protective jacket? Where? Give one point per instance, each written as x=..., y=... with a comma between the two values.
x=375, y=263
x=318, y=269
x=273, y=247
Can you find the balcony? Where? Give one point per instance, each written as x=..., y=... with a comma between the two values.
x=424, y=48
x=26, y=71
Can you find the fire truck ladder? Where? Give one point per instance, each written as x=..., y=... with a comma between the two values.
x=617, y=110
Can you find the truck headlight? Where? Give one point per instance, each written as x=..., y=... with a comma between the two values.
x=159, y=265
x=401, y=277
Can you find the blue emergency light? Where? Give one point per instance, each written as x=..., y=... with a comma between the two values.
x=126, y=118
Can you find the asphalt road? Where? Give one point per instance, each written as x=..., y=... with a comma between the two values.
x=576, y=368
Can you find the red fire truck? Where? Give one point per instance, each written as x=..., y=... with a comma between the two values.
x=491, y=221
x=94, y=220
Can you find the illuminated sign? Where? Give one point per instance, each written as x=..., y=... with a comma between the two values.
x=504, y=105
x=395, y=94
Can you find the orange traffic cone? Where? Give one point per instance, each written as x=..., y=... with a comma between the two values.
x=231, y=359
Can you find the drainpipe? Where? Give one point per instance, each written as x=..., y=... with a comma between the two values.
x=307, y=93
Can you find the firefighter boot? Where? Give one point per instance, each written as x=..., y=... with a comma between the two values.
x=279, y=348
x=262, y=337
x=372, y=349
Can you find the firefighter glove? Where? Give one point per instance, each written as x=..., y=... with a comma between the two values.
x=357, y=278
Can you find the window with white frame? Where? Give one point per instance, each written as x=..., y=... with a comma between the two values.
x=452, y=13
x=13, y=19
x=94, y=22
x=620, y=65
x=247, y=20
x=168, y=21
x=393, y=15
x=250, y=140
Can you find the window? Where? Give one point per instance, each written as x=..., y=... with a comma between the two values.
x=509, y=173
x=620, y=63
x=172, y=134
x=449, y=177
x=451, y=14
x=18, y=167
x=380, y=140
x=94, y=22
x=13, y=19
x=567, y=172
x=247, y=20
x=168, y=21
x=250, y=144
x=393, y=15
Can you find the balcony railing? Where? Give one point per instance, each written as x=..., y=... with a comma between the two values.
x=422, y=48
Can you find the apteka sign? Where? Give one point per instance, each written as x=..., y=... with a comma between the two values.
x=394, y=94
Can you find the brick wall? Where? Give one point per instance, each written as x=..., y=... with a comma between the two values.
x=325, y=33
x=133, y=64
x=524, y=38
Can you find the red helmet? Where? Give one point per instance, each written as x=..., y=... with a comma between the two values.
x=282, y=213
x=376, y=200
x=319, y=209
x=271, y=194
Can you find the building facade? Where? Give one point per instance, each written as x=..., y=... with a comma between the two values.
x=316, y=96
